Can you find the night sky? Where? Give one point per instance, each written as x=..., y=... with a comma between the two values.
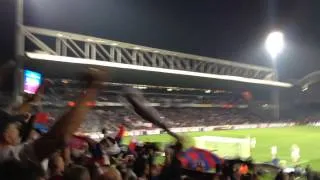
x=227, y=29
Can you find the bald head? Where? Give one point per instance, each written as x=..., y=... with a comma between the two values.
x=111, y=173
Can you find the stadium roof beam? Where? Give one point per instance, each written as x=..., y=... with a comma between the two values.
x=81, y=49
x=310, y=79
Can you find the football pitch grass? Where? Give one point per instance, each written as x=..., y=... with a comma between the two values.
x=306, y=137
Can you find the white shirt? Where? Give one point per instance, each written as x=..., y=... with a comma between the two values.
x=274, y=150
x=295, y=151
x=253, y=142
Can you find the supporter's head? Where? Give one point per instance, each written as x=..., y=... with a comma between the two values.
x=111, y=173
x=56, y=164
x=199, y=167
x=216, y=177
x=155, y=171
x=104, y=131
x=34, y=134
x=76, y=173
x=79, y=151
x=177, y=147
x=10, y=127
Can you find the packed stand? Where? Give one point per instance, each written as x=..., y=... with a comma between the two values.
x=32, y=149
x=112, y=117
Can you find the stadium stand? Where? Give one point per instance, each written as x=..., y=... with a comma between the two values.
x=177, y=110
x=45, y=137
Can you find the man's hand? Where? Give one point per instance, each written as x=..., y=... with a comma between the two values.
x=95, y=78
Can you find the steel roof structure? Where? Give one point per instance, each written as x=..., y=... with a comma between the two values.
x=70, y=48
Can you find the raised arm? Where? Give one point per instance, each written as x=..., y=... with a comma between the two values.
x=68, y=124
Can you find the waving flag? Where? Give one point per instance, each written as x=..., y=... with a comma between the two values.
x=42, y=129
x=41, y=122
x=193, y=156
x=120, y=134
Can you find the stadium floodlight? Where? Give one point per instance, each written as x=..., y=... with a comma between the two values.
x=274, y=44
x=207, y=91
x=48, y=57
x=169, y=89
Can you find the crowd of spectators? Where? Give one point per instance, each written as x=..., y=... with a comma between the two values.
x=176, y=109
x=58, y=153
x=112, y=117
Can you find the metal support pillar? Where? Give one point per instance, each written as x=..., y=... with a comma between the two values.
x=275, y=95
x=19, y=52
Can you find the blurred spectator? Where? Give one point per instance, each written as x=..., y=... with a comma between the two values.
x=76, y=172
x=56, y=167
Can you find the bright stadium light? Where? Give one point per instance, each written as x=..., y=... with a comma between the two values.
x=274, y=44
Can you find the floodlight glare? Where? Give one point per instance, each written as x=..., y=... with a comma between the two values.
x=274, y=44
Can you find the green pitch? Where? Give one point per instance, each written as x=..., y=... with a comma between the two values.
x=307, y=138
